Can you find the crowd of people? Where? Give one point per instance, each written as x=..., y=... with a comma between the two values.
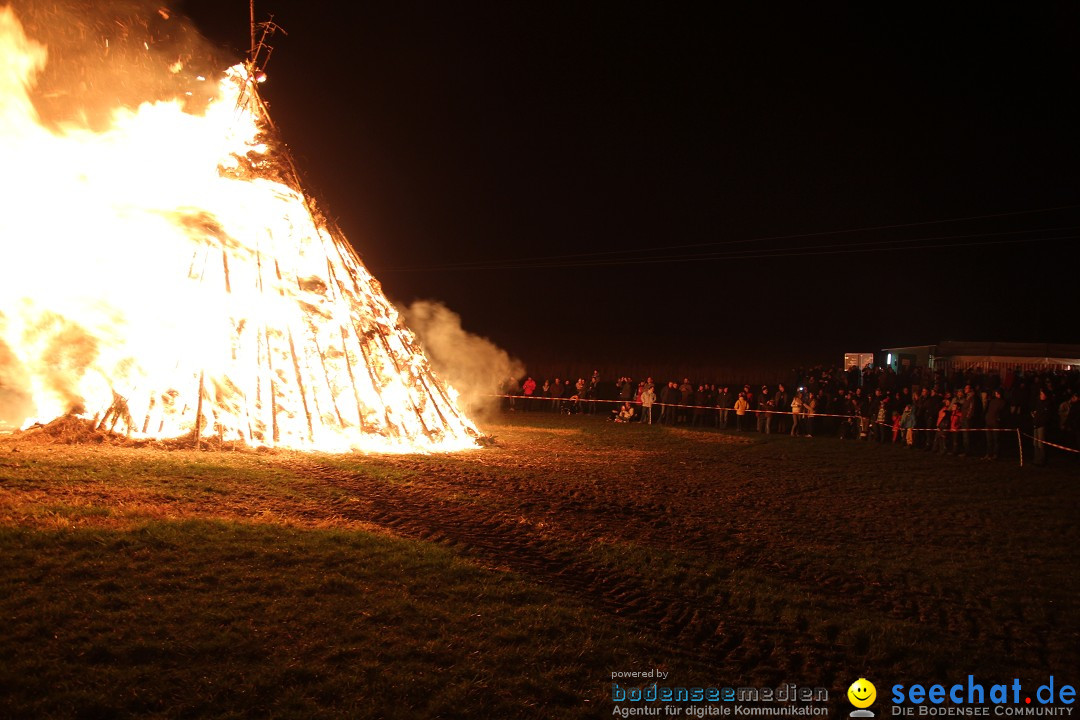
x=960, y=413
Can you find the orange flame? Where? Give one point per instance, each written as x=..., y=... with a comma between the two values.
x=167, y=277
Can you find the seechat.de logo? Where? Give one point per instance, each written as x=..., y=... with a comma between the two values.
x=862, y=695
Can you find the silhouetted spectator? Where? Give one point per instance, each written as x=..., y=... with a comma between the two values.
x=782, y=405
x=726, y=402
x=1040, y=417
x=992, y=421
x=556, y=395
x=764, y=418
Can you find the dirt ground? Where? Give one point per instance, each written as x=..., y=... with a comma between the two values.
x=764, y=559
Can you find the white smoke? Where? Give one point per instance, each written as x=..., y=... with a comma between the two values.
x=472, y=365
x=15, y=404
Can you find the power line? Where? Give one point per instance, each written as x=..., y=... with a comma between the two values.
x=735, y=254
x=634, y=251
x=765, y=253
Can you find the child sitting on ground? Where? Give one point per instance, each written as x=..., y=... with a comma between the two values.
x=624, y=414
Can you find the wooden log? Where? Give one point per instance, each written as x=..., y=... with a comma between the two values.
x=198, y=411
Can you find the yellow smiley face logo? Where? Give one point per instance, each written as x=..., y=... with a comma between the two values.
x=862, y=693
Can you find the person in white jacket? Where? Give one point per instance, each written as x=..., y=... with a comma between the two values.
x=648, y=397
x=796, y=414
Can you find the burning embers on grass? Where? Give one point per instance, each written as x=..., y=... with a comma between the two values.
x=166, y=276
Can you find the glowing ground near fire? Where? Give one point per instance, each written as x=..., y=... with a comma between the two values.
x=166, y=276
x=515, y=580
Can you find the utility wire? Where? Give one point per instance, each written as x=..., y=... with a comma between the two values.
x=797, y=253
x=599, y=253
x=769, y=251
x=931, y=243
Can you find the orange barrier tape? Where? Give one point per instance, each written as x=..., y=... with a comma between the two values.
x=979, y=430
x=1053, y=445
x=1008, y=430
x=637, y=403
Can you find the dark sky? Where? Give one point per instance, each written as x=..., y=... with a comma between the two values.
x=653, y=154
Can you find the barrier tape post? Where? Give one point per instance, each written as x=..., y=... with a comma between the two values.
x=1020, y=445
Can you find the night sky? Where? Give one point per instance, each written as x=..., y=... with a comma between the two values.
x=632, y=180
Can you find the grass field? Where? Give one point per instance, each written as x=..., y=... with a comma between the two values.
x=512, y=581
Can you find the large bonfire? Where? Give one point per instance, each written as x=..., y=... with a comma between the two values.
x=166, y=276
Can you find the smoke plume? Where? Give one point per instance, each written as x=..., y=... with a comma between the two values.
x=111, y=54
x=473, y=365
x=15, y=403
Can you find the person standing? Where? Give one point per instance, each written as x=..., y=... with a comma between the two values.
x=942, y=424
x=556, y=394
x=726, y=403
x=1018, y=398
x=741, y=406
x=749, y=395
x=576, y=405
x=992, y=421
x=954, y=424
x=765, y=405
x=592, y=391
x=697, y=414
x=650, y=384
x=968, y=413
x=1072, y=422
x=528, y=388
x=782, y=405
x=796, y=414
x=648, y=397
x=934, y=402
x=923, y=419
x=1040, y=417
x=880, y=419
x=686, y=399
x=907, y=425
x=667, y=400
x=841, y=408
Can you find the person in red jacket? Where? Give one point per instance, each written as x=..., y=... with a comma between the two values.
x=528, y=388
x=955, y=425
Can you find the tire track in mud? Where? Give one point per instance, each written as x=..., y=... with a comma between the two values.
x=708, y=631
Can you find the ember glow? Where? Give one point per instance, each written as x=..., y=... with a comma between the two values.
x=167, y=277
